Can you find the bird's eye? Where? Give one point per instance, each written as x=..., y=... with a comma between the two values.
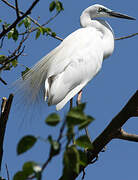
x=100, y=9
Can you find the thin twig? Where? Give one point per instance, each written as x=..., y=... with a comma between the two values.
x=13, y=25
x=34, y=21
x=83, y=175
x=15, y=54
x=4, y=82
x=8, y=176
x=121, y=134
x=2, y=41
x=126, y=37
x=61, y=131
x=17, y=9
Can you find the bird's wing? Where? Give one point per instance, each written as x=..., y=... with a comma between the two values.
x=76, y=45
x=81, y=61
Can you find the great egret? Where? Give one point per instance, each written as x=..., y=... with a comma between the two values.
x=63, y=73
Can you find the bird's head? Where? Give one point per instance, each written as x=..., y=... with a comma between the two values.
x=98, y=10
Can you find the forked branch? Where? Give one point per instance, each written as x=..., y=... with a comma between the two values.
x=19, y=18
x=114, y=130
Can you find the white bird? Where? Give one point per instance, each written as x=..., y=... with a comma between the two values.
x=64, y=72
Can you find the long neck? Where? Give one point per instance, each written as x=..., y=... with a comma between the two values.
x=101, y=26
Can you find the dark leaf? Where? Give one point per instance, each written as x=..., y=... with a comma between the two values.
x=14, y=63
x=15, y=34
x=71, y=162
x=53, y=34
x=0, y=20
x=42, y=30
x=26, y=143
x=84, y=142
x=53, y=119
x=75, y=117
x=52, y=6
x=10, y=33
x=20, y=23
x=38, y=32
x=83, y=158
x=2, y=57
x=84, y=124
x=24, y=72
x=26, y=22
x=47, y=30
x=20, y=176
x=59, y=6
x=28, y=167
x=38, y=175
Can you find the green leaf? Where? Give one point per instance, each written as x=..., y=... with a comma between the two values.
x=71, y=162
x=14, y=63
x=20, y=175
x=47, y=30
x=83, y=158
x=75, y=117
x=24, y=72
x=0, y=20
x=20, y=23
x=53, y=34
x=28, y=167
x=84, y=142
x=15, y=34
x=27, y=22
x=52, y=6
x=87, y=122
x=2, y=57
x=38, y=32
x=53, y=119
x=59, y=6
x=38, y=175
x=10, y=33
x=42, y=30
x=26, y=143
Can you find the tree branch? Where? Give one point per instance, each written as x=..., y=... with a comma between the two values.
x=34, y=21
x=5, y=110
x=17, y=52
x=110, y=132
x=13, y=25
x=121, y=134
x=17, y=9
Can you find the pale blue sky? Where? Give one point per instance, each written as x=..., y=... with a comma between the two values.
x=105, y=95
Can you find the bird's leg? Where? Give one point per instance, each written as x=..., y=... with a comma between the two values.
x=79, y=102
x=79, y=97
x=87, y=134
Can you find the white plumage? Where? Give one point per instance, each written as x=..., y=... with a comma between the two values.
x=62, y=73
